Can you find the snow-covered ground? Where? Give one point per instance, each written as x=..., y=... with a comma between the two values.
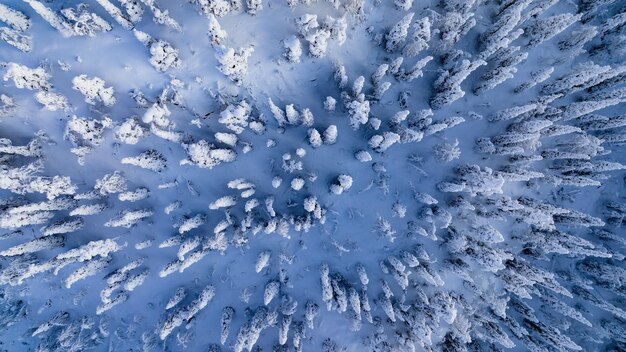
x=331, y=175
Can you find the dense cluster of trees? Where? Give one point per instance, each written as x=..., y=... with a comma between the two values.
x=503, y=252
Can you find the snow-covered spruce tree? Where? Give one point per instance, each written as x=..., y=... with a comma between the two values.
x=51, y=17
x=543, y=29
x=398, y=33
x=456, y=22
x=16, y=39
x=83, y=22
x=217, y=35
x=186, y=313
x=505, y=69
x=14, y=18
x=448, y=84
x=503, y=31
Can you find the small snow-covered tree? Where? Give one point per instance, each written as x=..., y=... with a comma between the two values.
x=150, y=159
x=293, y=49
x=111, y=183
x=415, y=71
x=271, y=291
x=207, y=155
x=470, y=178
x=24, y=77
x=545, y=28
x=306, y=23
x=52, y=101
x=56, y=21
x=90, y=269
x=380, y=143
x=363, y=156
x=186, y=313
x=217, y=35
x=330, y=135
x=315, y=139
x=163, y=56
x=14, y=18
x=63, y=226
x=501, y=34
x=536, y=78
x=223, y=202
x=254, y=6
x=398, y=33
x=130, y=131
x=318, y=42
x=129, y=218
x=134, y=10
x=577, y=40
x=262, y=260
x=134, y=196
x=403, y=4
x=297, y=183
x=358, y=110
x=343, y=183
x=191, y=223
x=235, y=117
x=228, y=313
x=16, y=39
x=419, y=39
x=337, y=28
x=505, y=70
x=98, y=248
x=94, y=91
x=218, y=8
x=33, y=246
x=448, y=84
x=83, y=22
x=234, y=63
